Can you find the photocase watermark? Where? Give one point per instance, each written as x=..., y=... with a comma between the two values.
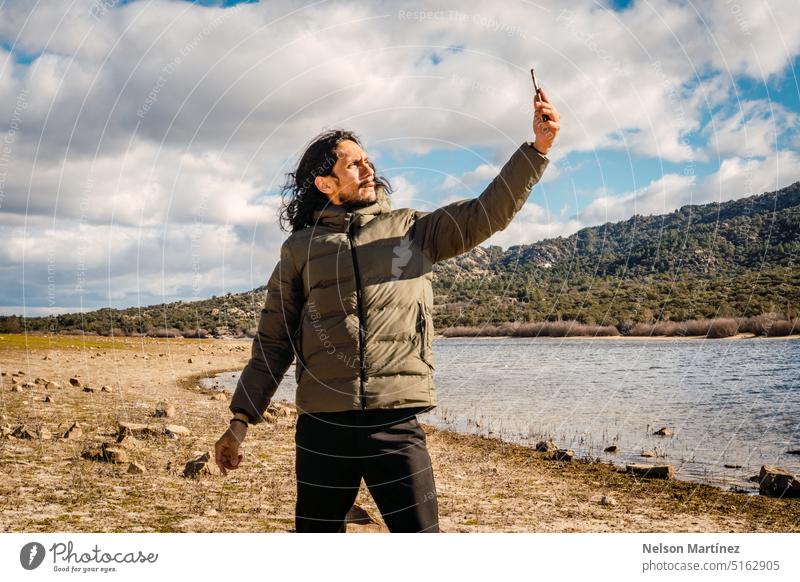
x=7, y=147
x=100, y=8
x=67, y=559
x=349, y=359
x=741, y=19
x=169, y=69
x=476, y=18
x=569, y=20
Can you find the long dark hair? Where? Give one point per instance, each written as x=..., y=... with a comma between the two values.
x=300, y=196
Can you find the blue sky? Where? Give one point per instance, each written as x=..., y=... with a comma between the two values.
x=145, y=140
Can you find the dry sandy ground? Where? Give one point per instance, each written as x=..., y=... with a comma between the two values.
x=483, y=484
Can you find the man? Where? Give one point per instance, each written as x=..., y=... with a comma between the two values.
x=351, y=299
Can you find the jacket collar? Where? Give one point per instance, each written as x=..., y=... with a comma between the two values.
x=341, y=216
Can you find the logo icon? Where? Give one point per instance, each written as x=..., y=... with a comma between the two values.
x=31, y=555
x=402, y=254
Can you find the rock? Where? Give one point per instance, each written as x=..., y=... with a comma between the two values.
x=176, y=430
x=52, y=386
x=732, y=466
x=608, y=501
x=190, y=361
x=27, y=433
x=136, y=430
x=75, y=382
x=106, y=453
x=29, y=385
x=16, y=388
x=128, y=442
x=88, y=389
x=40, y=381
x=269, y=418
x=106, y=389
x=136, y=469
x=651, y=471
x=546, y=446
x=219, y=396
x=280, y=409
x=565, y=455
x=663, y=431
x=48, y=398
x=648, y=454
x=23, y=432
x=164, y=409
x=359, y=516
x=3, y=373
x=201, y=348
x=73, y=432
x=614, y=449
x=778, y=482
x=204, y=464
x=793, y=452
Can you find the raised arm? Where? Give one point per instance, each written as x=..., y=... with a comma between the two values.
x=272, y=350
x=456, y=228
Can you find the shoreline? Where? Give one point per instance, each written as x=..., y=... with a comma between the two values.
x=484, y=484
x=738, y=336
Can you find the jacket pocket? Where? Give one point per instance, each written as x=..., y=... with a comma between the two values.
x=425, y=328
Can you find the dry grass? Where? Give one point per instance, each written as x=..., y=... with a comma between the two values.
x=483, y=484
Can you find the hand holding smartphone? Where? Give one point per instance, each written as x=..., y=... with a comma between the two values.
x=538, y=92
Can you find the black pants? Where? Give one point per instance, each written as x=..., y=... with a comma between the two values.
x=386, y=448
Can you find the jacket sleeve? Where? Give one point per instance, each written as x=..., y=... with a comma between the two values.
x=273, y=349
x=456, y=228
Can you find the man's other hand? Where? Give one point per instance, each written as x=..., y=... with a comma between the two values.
x=226, y=450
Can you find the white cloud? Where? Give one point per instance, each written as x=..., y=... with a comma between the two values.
x=154, y=116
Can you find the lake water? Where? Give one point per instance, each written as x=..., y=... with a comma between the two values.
x=733, y=402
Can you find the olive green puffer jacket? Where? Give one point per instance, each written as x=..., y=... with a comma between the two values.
x=351, y=298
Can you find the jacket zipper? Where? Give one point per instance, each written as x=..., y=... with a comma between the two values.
x=361, y=320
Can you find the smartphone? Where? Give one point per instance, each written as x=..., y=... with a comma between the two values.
x=537, y=91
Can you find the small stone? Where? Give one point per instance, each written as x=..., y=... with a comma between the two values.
x=190, y=361
x=663, y=431
x=608, y=501
x=219, y=396
x=732, y=466
x=29, y=385
x=106, y=453
x=136, y=469
x=565, y=455
x=73, y=432
x=106, y=389
x=165, y=410
x=89, y=389
x=651, y=471
x=176, y=430
x=793, y=452
x=52, y=386
x=16, y=388
x=48, y=398
x=778, y=482
x=136, y=430
x=648, y=454
x=201, y=465
x=360, y=516
x=40, y=381
x=613, y=449
x=546, y=446
x=75, y=382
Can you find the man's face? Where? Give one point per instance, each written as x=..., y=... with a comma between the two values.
x=352, y=179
